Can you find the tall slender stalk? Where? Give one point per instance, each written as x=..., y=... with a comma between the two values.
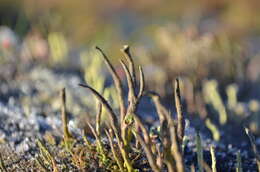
x=98, y=118
x=213, y=159
x=66, y=134
x=47, y=155
x=180, y=114
x=199, y=152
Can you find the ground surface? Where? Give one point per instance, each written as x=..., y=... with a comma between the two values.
x=30, y=109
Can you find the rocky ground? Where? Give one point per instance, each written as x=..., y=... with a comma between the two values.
x=30, y=109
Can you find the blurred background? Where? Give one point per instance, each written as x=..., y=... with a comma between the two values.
x=213, y=45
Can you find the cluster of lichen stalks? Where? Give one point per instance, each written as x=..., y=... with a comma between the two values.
x=129, y=131
x=130, y=125
x=128, y=134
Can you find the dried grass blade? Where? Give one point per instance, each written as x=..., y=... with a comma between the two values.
x=41, y=164
x=100, y=147
x=87, y=142
x=117, y=158
x=47, y=154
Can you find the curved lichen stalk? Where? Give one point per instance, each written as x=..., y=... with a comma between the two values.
x=128, y=56
x=117, y=82
x=47, y=155
x=105, y=104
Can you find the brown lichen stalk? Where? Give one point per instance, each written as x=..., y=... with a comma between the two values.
x=66, y=133
x=117, y=82
x=180, y=114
